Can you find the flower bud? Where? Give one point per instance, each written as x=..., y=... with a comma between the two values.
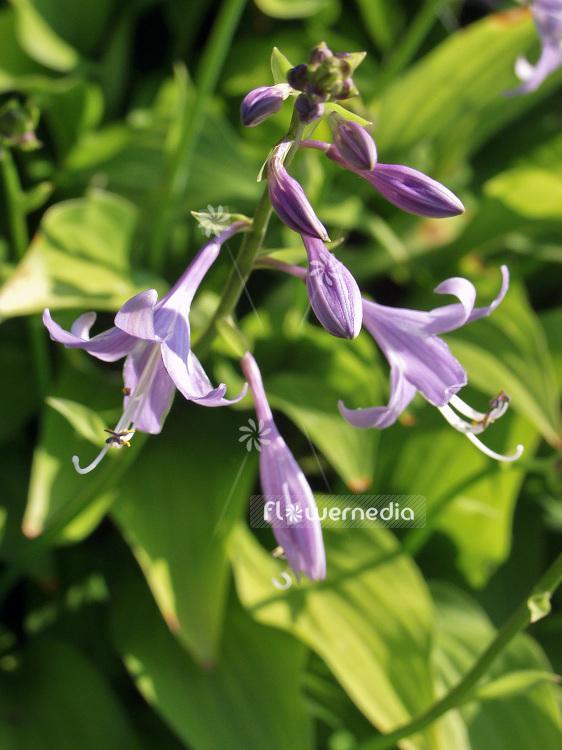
x=319, y=53
x=413, y=191
x=308, y=108
x=298, y=77
x=333, y=292
x=263, y=102
x=353, y=142
x=288, y=198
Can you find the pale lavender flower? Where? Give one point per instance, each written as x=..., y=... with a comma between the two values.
x=289, y=503
x=547, y=15
x=154, y=336
x=263, y=102
x=405, y=187
x=420, y=361
x=332, y=290
x=288, y=198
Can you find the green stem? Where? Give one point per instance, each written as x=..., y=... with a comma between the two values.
x=17, y=221
x=249, y=250
x=519, y=620
x=179, y=163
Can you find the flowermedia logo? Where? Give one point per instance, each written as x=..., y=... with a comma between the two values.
x=213, y=220
x=339, y=511
x=255, y=434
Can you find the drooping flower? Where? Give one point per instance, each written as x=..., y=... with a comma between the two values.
x=290, y=507
x=261, y=103
x=410, y=190
x=547, y=15
x=332, y=290
x=288, y=198
x=421, y=361
x=154, y=336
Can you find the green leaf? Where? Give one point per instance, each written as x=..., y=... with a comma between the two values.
x=524, y=721
x=248, y=698
x=551, y=322
x=345, y=113
x=78, y=258
x=530, y=191
x=370, y=621
x=511, y=684
x=53, y=698
x=280, y=66
x=87, y=423
x=293, y=8
x=453, y=98
x=39, y=40
x=383, y=20
x=177, y=508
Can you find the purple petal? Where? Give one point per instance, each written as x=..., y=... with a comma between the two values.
x=482, y=312
x=333, y=292
x=107, y=346
x=401, y=393
x=354, y=143
x=289, y=200
x=136, y=317
x=263, y=102
x=549, y=61
x=160, y=395
x=413, y=191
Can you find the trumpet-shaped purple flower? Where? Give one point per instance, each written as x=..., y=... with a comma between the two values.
x=547, y=15
x=263, y=102
x=154, y=336
x=288, y=198
x=410, y=190
x=420, y=361
x=333, y=292
x=289, y=503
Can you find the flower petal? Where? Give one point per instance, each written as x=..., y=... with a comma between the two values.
x=107, y=346
x=401, y=393
x=160, y=395
x=136, y=317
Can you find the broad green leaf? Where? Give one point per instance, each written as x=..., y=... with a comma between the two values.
x=454, y=96
x=55, y=488
x=86, y=422
x=470, y=497
x=177, y=508
x=345, y=113
x=78, y=258
x=530, y=191
x=551, y=322
x=383, y=19
x=40, y=41
x=19, y=396
x=249, y=697
x=370, y=621
x=53, y=698
x=526, y=721
x=509, y=351
x=293, y=8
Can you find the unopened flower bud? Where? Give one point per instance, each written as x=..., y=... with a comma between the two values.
x=263, y=102
x=308, y=108
x=297, y=77
x=353, y=142
x=333, y=292
x=319, y=53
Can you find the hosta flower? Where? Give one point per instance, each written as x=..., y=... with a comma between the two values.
x=353, y=142
x=420, y=361
x=288, y=198
x=547, y=15
x=289, y=503
x=332, y=290
x=154, y=336
x=263, y=102
x=405, y=187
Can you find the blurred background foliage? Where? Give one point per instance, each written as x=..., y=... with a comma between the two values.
x=137, y=605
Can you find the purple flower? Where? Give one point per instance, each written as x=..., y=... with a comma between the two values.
x=547, y=15
x=288, y=198
x=263, y=102
x=405, y=187
x=289, y=503
x=420, y=361
x=154, y=336
x=333, y=292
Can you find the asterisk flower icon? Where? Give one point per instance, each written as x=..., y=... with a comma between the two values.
x=254, y=434
x=213, y=220
x=293, y=513
x=321, y=269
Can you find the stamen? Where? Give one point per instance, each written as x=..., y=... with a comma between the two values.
x=124, y=430
x=498, y=456
x=287, y=581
